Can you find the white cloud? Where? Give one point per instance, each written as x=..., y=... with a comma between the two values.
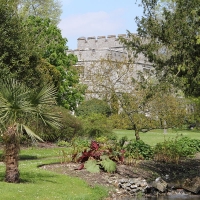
x=92, y=24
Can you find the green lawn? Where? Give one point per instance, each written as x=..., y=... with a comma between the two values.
x=154, y=136
x=45, y=185
x=39, y=184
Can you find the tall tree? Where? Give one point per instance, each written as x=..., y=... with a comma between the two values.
x=34, y=52
x=170, y=41
x=19, y=104
x=46, y=9
x=137, y=94
x=14, y=54
x=51, y=46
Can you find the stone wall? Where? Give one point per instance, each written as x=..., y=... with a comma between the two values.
x=101, y=42
x=90, y=53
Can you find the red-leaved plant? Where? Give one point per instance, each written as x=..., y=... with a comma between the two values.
x=97, y=158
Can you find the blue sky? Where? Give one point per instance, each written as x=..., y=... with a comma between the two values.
x=85, y=18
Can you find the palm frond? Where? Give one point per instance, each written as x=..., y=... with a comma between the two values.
x=52, y=119
x=18, y=104
x=30, y=133
x=13, y=99
x=46, y=96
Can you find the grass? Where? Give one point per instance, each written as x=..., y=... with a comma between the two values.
x=155, y=136
x=45, y=185
x=39, y=184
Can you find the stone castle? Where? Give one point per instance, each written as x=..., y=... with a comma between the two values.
x=101, y=75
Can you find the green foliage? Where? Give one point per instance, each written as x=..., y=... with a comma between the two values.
x=74, y=149
x=193, y=109
x=107, y=164
x=78, y=145
x=171, y=41
x=173, y=150
x=62, y=143
x=138, y=149
x=95, y=158
x=95, y=125
x=168, y=108
x=120, y=121
x=71, y=127
x=47, y=40
x=186, y=142
x=45, y=73
x=19, y=104
x=122, y=141
x=33, y=51
x=91, y=166
x=50, y=9
x=14, y=51
x=93, y=106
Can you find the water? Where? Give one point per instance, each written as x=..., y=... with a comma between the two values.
x=175, y=197
x=167, y=197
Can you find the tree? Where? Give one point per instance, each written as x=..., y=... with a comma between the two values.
x=137, y=94
x=46, y=9
x=19, y=104
x=19, y=56
x=136, y=104
x=193, y=111
x=170, y=41
x=34, y=51
x=114, y=83
x=51, y=46
x=14, y=53
x=169, y=107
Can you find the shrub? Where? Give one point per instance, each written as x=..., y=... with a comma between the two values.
x=137, y=149
x=119, y=121
x=74, y=149
x=172, y=151
x=96, y=158
x=93, y=106
x=95, y=125
x=98, y=155
x=192, y=143
x=71, y=127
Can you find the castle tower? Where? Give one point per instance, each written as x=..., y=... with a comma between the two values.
x=90, y=51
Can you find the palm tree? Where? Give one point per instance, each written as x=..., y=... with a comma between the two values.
x=19, y=105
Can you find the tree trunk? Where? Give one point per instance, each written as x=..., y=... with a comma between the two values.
x=137, y=136
x=11, y=153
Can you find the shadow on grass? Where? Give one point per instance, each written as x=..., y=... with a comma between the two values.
x=32, y=177
x=27, y=157
x=21, y=157
x=28, y=177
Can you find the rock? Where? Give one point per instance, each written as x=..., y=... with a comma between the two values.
x=133, y=186
x=160, y=184
x=192, y=185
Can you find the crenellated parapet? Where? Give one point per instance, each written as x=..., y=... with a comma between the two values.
x=101, y=42
x=91, y=55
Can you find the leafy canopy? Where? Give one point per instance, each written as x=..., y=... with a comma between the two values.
x=51, y=46
x=46, y=9
x=169, y=38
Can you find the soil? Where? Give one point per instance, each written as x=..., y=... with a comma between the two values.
x=149, y=170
